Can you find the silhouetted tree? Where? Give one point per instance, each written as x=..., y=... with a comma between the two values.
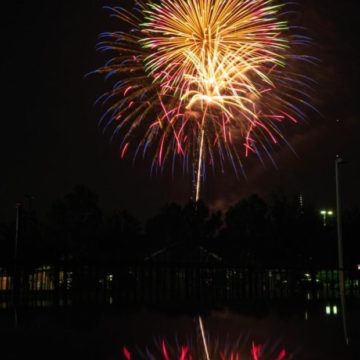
x=251, y=233
x=166, y=227
x=120, y=238
x=7, y=235
x=351, y=237
x=182, y=233
x=245, y=234
x=74, y=222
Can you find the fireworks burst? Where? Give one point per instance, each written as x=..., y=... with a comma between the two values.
x=203, y=80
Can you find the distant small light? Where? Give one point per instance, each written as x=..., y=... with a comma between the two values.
x=328, y=310
x=358, y=267
x=306, y=315
x=335, y=310
x=330, y=212
x=323, y=212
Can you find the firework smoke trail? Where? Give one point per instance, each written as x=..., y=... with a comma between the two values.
x=200, y=160
x=203, y=79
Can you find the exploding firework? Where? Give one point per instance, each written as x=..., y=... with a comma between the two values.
x=203, y=80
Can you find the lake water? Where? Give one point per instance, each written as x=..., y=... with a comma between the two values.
x=307, y=333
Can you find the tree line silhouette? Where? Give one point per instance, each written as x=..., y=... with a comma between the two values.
x=251, y=233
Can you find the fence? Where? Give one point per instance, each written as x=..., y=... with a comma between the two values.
x=161, y=284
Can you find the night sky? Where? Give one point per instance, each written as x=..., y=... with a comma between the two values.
x=50, y=140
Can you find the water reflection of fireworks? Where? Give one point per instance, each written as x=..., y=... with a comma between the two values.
x=166, y=351
x=242, y=349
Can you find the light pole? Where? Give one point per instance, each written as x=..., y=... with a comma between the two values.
x=15, y=275
x=338, y=162
x=324, y=214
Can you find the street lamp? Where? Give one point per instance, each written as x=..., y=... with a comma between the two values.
x=15, y=289
x=338, y=162
x=326, y=213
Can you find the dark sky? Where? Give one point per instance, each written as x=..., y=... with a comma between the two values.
x=50, y=140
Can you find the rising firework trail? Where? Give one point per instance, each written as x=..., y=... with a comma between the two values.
x=203, y=81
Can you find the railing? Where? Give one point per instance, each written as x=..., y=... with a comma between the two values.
x=161, y=284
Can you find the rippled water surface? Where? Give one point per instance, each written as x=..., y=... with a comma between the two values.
x=79, y=333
